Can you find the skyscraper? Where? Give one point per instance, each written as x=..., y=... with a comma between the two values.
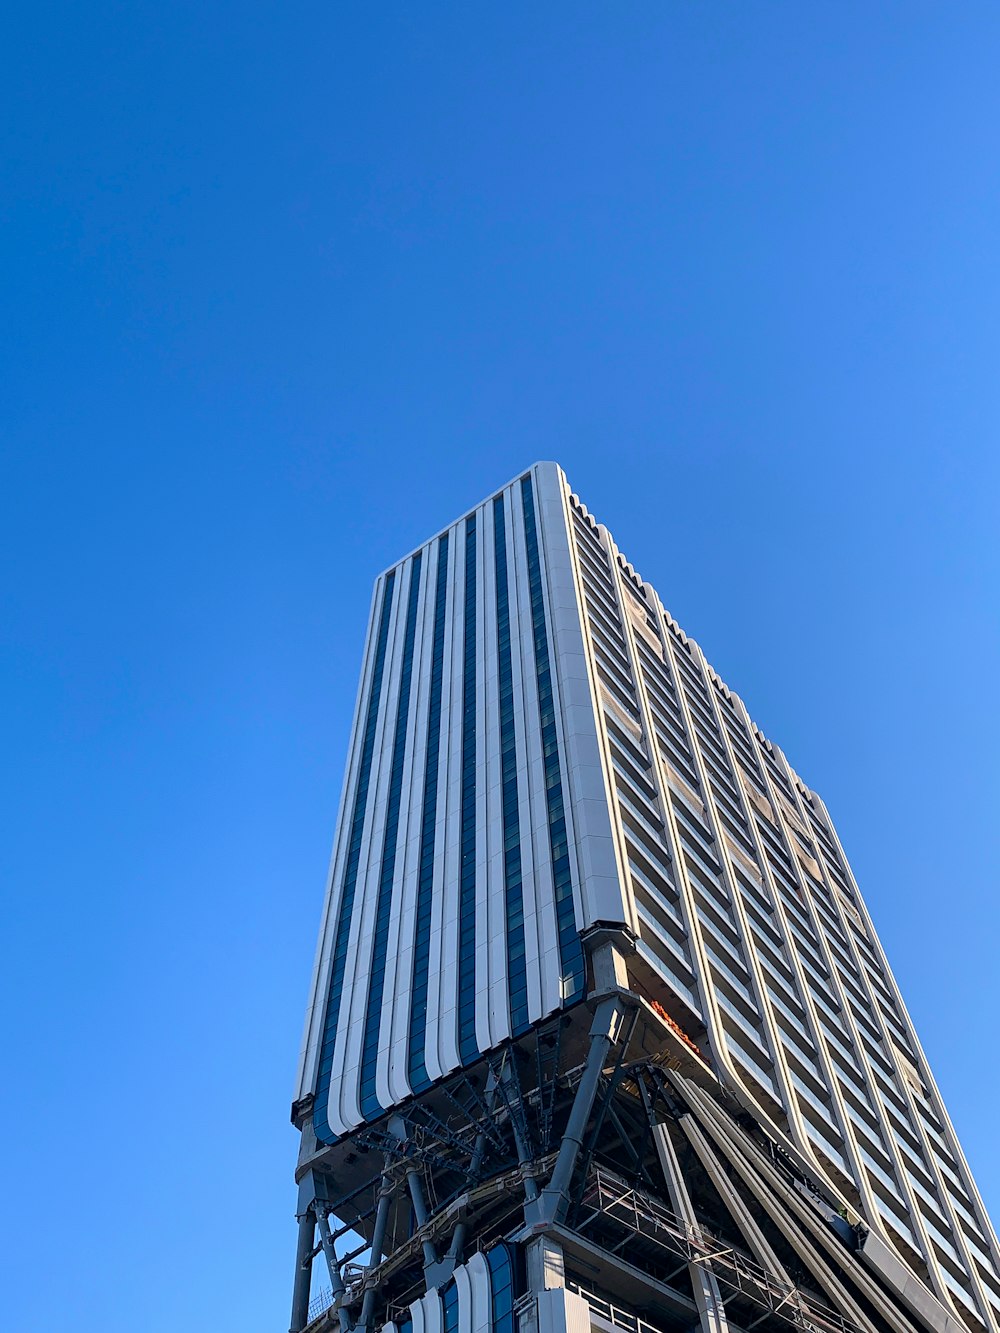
x=601, y=1034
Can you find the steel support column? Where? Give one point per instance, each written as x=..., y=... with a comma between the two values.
x=333, y=1267
x=386, y=1192
x=605, y=1030
x=510, y=1090
x=707, y=1297
x=303, y=1272
x=783, y=1217
x=756, y=1241
x=416, y=1189
x=442, y=1271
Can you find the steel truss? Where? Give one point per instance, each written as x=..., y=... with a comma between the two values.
x=646, y=1161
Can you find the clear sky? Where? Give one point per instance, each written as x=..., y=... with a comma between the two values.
x=285, y=288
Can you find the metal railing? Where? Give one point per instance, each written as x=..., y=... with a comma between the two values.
x=320, y=1303
x=608, y=1196
x=611, y=1313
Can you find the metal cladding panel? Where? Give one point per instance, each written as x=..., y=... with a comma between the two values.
x=478, y=1298
x=468, y=854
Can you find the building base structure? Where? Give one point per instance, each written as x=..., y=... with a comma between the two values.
x=594, y=1176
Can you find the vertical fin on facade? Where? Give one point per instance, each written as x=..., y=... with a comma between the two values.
x=338, y=961
x=417, y=1061
x=467, y=1044
x=517, y=979
x=370, y=1105
x=570, y=948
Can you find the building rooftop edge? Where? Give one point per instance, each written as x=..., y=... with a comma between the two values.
x=546, y=463
x=538, y=465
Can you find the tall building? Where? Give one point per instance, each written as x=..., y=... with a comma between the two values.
x=601, y=1035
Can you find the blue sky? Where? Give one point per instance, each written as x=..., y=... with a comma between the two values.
x=284, y=289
